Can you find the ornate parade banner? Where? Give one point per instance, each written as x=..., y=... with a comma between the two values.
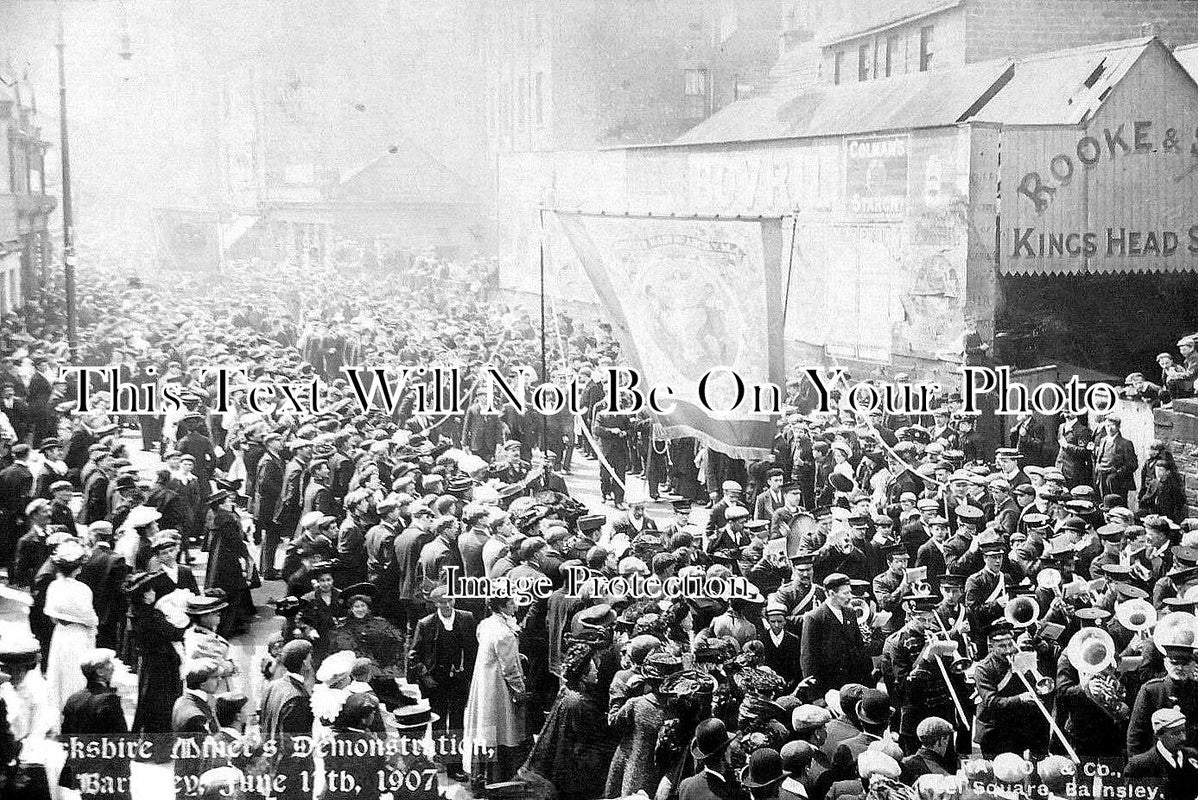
x=689, y=299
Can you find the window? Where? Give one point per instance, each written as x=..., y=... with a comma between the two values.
x=837, y=65
x=891, y=53
x=696, y=83
x=925, y=48
x=863, y=62
x=540, y=98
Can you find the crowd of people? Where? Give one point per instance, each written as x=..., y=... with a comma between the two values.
x=1177, y=376
x=923, y=615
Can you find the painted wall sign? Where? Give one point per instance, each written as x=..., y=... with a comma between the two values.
x=875, y=174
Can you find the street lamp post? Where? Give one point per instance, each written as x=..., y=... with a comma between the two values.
x=68, y=218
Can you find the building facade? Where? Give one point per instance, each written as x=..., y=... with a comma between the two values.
x=24, y=205
x=848, y=41
x=576, y=74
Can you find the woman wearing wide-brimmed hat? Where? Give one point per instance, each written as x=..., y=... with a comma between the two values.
x=638, y=722
x=575, y=746
x=69, y=605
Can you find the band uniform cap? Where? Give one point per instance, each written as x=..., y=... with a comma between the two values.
x=894, y=549
x=1035, y=520
x=836, y=580
x=952, y=579
x=50, y=442
x=54, y=487
x=927, y=504
x=757, y=524
x=1093, y=614
x=999, y=627
x=774, y=606
x=167, y=538
x=1007, y=452
x=860, y=587
x=803, y=559
x=1060, y=548
x=1127, y=591
x=1165, y=718
x=991, y=543
x=970, y=514
x=1081, y=506
x=1114, y=530
x=922, y=601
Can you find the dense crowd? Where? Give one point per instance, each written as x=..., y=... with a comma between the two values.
x=1176, y=379
x=923, y=615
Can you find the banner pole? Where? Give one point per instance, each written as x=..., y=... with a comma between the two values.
x=544, y=373
x=790, y=263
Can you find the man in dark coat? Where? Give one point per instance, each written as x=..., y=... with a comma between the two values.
x=16, y=409
x=195, y=443
x=268, y=488
x=193, y=720
x=1170, y=765
x=287, y=716
x=612, y=431
x=1114, y=462
x=229, y=563
x=1007, y=717
x=92, y=713
x=442, y=660
x=832, y=650
x=289, y=509
x=783, y=650
x=105, y=573
x=16, y=490
x=1073, y=452
x=95, y=490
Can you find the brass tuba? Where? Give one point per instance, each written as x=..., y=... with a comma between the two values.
x=1090, y=651
x=1177, y=629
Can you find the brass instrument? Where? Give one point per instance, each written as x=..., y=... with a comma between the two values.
x=1136, y=615
x=1022, y=611
x=1091, y=651
x=1177, y=629
x=959, y=666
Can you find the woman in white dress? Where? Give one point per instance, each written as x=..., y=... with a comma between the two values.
x=69, y=606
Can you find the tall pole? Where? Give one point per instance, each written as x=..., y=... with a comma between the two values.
x=68, y=217
x=544, y=370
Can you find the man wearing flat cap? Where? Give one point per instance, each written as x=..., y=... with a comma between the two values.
x=95, y=711
x=1115, y=461
x=1171, y=763
x=833, y=652
x=268, y=487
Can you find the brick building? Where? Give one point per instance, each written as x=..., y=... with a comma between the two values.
x=24, y=205
x=848, y=41
x=573, y=74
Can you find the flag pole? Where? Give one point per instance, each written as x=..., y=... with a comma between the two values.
x=544, y=373
x=790, y=263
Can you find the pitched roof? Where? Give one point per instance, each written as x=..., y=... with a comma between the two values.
x=407, y=173
x=1059, y=88
x=1188, y=56
x=1064, y=87
x=918, y=100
